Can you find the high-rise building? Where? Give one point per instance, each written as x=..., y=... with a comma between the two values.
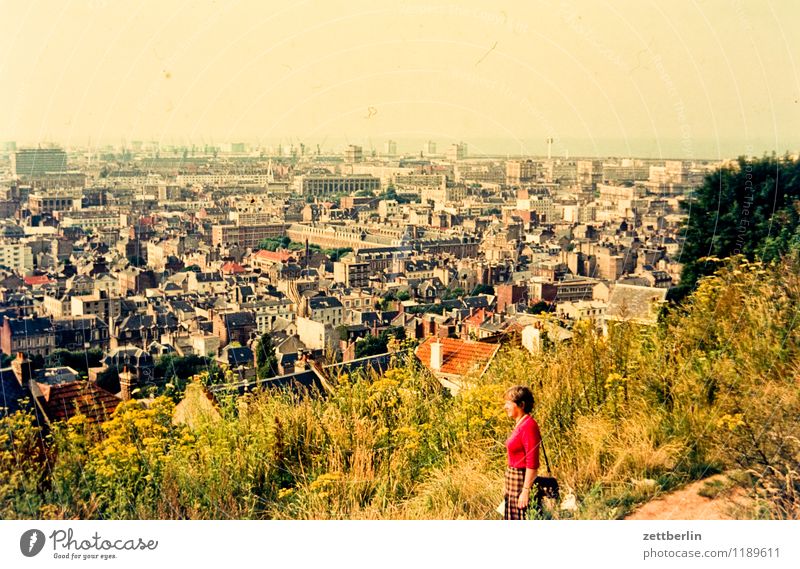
x=430, y=148
x=391, y=148
x=29, y=162
x=590, y=172
x=353, y=154
x=520, y=172
x=457, y=152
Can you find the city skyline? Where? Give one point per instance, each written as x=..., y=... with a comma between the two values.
x=691, y=82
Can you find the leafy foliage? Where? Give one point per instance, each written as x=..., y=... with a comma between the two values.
x=77, y=360
x=274, y=243
x=482, y=289
x=266, y=359
x=713, y=387
x=750, y=208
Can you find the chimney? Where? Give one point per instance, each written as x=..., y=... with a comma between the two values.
x=301, y=363
x=437, y=355
x=127, y=382
x=21, y=367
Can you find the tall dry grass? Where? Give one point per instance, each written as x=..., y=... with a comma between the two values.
x=625, y=417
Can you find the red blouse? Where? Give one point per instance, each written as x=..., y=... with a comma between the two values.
x=523, y=444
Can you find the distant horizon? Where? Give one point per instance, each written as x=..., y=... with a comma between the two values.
x=709, y=80
x=570, y=149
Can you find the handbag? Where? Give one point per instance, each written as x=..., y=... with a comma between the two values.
x=546, y=486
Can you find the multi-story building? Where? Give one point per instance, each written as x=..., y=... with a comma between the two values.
x=380, y=258
x=16, y=256
x=443, y=194
x=611, y=265
x=93, y=220
x=351, y=272
x=625, y=171
x=542, y=205
x=135, y=280
x=57, y=180
x=590, y=172
x=520, y=172
x=329, y=184
x=415, y=183
x=614, y=193
x=100, y=305
x=326, y=310
x=81, y=333
x=457, y=152
x=560, y=171
x=245, y=235
x=234, y=327
x=241, y=217
x=562, y=291
x=391, y=148
x=268, y=311
x=41, y=204
x=353, y=154
x=316, y=335
x=29, y=162
x=224, y=179
x=388, y=208
x=31, y=335
x=56, y=306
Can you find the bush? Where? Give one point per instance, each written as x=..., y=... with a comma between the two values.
x=624, y=417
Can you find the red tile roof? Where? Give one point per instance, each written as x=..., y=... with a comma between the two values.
x=231, y=268
x=459, y=357
x=275, y=256
x=480, y=316
x=65, y=400
x=37, y=280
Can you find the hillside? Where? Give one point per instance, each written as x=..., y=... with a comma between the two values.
x=713, y=387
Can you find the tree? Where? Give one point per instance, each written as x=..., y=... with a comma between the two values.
x=80, y=360
x=371, y=345
x=274, y=243
x=750, y=208
x=457, y=292
x=539, y=308
x=266, y=359
x=173, y=366
x=337, y=254
x=483, y=289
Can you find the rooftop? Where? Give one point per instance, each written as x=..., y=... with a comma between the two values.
x=459, y=357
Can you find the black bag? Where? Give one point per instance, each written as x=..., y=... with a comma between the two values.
x=546, y=486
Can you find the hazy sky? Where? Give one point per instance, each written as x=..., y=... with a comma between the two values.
x=683, y=79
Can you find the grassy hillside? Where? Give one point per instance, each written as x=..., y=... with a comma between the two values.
x=714, y=387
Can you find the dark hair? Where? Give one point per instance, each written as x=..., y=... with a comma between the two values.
x=522, y=396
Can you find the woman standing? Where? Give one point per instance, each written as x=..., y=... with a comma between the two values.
x=523, y=453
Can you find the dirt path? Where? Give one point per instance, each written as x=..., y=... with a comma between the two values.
x=688, y=504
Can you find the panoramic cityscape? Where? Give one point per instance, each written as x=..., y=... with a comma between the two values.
x=134, y=254
x=320, y=261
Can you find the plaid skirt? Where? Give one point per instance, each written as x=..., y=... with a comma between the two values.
x=515, y=478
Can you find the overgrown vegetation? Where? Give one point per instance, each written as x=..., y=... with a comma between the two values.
x=275, y=243
x=751, y=207
x=713, y=388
